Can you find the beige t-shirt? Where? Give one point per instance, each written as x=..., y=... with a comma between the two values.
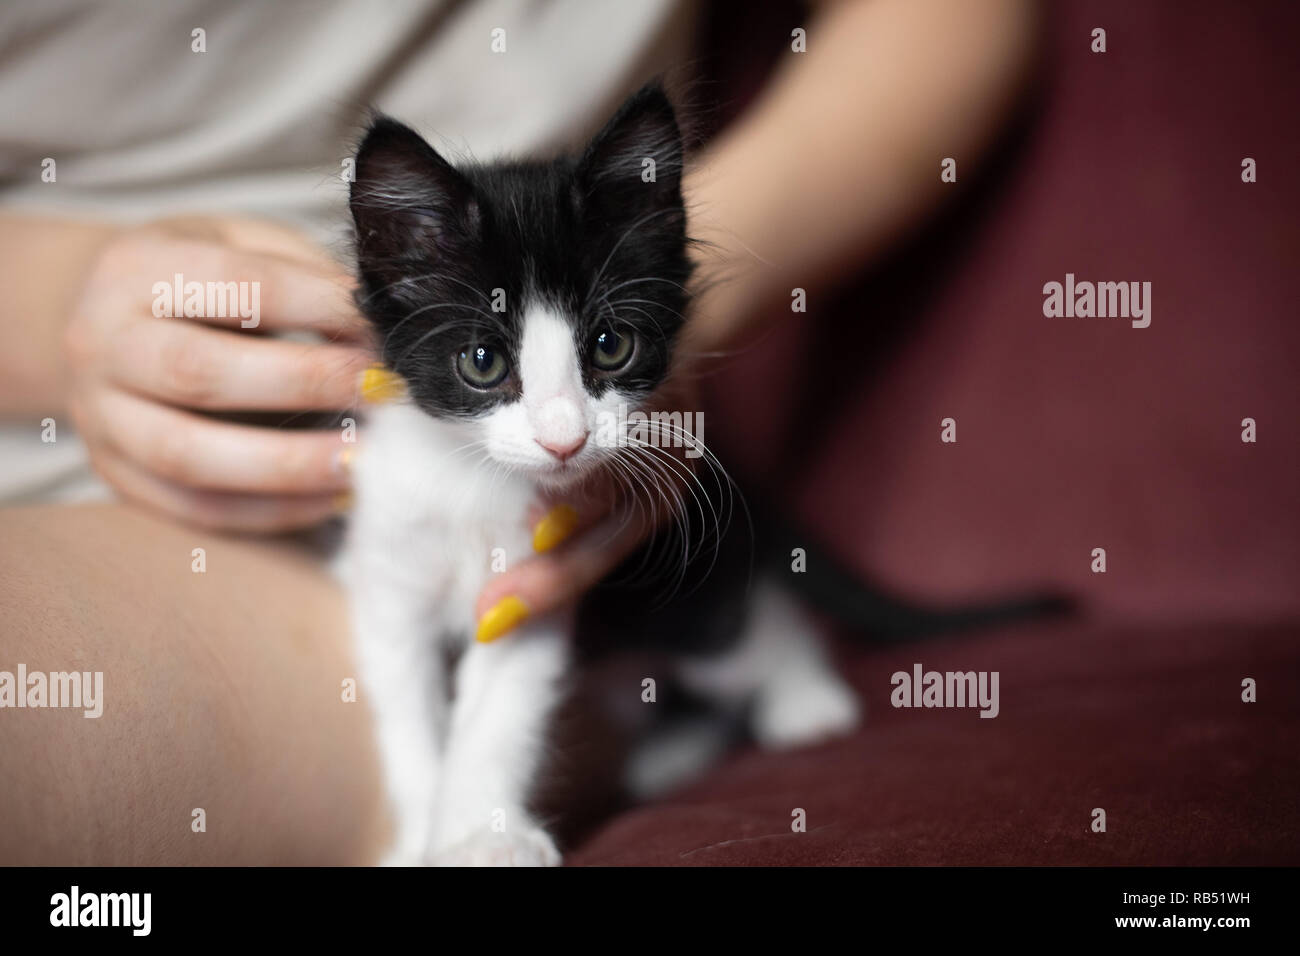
x=155, y=108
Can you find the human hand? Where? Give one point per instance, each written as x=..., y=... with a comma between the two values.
x=139, y=382
x=579, y=538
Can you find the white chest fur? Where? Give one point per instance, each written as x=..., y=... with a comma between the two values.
x=431, y=512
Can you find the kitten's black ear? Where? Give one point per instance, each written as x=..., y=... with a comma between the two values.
x=634, y=165
x=409, y=204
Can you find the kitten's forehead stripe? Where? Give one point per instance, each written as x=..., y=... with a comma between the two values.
x=548, y=356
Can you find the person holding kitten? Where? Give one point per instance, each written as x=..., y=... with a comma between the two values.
x=227, y=168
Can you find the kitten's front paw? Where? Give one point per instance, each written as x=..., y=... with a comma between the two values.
x=522, y=846
x=401, y=856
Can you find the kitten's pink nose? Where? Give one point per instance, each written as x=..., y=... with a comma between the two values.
x=563, y=450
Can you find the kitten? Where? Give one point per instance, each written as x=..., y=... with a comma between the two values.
x=524, y=303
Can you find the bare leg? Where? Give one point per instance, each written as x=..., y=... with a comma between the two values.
x=223, y=692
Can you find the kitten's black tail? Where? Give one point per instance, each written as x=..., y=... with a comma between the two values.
x=830, y=587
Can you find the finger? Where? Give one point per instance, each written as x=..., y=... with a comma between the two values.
x=265, y=236
x=188, y=364
x=579, y=544
x=244, y=290
x=556, y=516
x=321, y=300
x=549, y=582
x=555, y=521
x=191, y=450
x=213, y=509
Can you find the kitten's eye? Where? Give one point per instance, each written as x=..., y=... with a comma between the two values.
x=482, y=366
x=610, y=349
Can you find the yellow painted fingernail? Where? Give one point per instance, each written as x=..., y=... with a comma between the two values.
x=554, y=528
x=343, y=461
x=379, y=385
x=343, y=501
x=501, y=618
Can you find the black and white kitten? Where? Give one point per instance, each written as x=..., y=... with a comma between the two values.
x=524, y=303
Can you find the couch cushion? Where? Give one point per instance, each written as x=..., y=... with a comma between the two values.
x=1147, y=724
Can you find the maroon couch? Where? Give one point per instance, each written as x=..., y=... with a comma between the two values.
x=1073, y=434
